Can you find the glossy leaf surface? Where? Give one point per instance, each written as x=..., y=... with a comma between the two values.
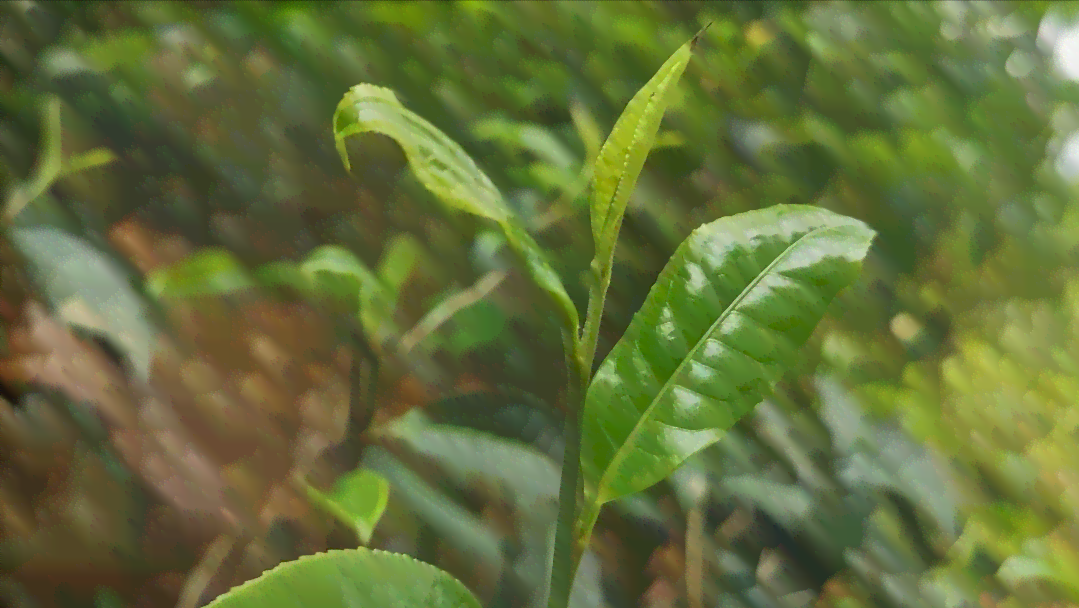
x=622, y=156
x=351, y=578
x=447, y=171
x=724, y=321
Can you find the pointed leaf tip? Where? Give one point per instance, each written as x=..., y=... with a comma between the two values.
x=622, y=156
x=697, y=37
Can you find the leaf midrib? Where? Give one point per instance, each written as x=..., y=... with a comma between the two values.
x=619, y=456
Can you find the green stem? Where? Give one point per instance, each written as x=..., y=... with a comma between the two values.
x=601, y=280
x=566, y=558
x=583, y=533
x=571, y=537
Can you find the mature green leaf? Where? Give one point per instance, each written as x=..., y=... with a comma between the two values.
x=90, y=289
x=724, y=320
x=446, y=170
x=358, y=498
x=465, y=454
x=351, y=578
x=622, y=156
x=205, y=272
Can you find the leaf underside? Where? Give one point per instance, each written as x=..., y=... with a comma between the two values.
x=724, y=321
x=345, y=579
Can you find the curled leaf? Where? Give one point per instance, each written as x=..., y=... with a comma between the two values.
x=438, y=161
x=447, y=171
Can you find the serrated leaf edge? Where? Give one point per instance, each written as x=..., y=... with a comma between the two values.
x=326, y=555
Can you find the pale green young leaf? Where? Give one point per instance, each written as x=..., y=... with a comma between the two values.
x=403, y=254
x=339, y=273
x=623, y=154
x=211, y=271
x=724, y=321
x=350, y=578
x=587, y=130
x=358, y=498
x=335, y=272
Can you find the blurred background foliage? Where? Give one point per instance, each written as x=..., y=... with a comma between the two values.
x=923, y=455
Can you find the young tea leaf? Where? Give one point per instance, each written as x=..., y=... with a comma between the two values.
x=205, y=272
x=284, y=274
x=403, y=254
x=358, y=499
x=724, y=320
x=345, y=579
x=334, y=271
x=441, y=165
x=447, y=171
x=622, y=156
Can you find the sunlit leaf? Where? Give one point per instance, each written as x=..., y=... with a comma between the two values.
x=205, y=272
x=724, y=321
x=446, y=170
x=346, y=579
x=622, y=156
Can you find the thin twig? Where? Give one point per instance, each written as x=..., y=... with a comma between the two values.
x=694, y=556
x=698, y=490
x=204, y=571
x=449, y=307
